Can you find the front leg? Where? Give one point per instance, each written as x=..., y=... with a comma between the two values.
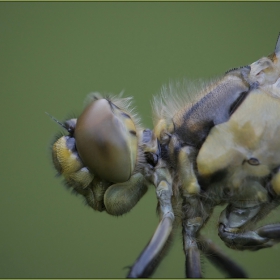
x=153, y=252
x=191, y=228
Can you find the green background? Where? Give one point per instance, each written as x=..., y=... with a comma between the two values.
x=52, y=56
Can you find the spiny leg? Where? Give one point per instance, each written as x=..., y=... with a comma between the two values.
x=246, y=239
x=151, y=255
x=194, y=215
x=237, y=223
x=191, y=227
x=207, y=247
x=219, y=259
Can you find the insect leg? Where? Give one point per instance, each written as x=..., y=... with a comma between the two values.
x=272, y=232
x=219, y=259
x=192, y=265
x=193, y=211
x=249, y=239
x=150, y=256
x=237, y=221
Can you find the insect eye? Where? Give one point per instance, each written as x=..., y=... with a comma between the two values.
x=106, y=141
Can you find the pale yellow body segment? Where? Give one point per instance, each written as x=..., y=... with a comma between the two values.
x=248, y=144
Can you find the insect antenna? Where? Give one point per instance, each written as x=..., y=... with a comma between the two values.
x=69, y=126
x=57, y=121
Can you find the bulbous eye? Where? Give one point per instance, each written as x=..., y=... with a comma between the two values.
x=106, y=141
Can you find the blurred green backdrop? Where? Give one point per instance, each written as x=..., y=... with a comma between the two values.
x=52, y=56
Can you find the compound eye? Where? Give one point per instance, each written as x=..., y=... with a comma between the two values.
x=106, y=141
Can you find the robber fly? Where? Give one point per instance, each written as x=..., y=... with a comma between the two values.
x=222, y=148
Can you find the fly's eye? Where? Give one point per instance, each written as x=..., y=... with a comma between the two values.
x=253, y=161
x=106, y=141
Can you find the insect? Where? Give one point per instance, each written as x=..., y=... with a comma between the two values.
x=221, y=149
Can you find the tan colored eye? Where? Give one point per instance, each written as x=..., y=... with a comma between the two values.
x=106, y=141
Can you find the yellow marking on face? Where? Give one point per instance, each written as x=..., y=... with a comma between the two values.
x=64, y=160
